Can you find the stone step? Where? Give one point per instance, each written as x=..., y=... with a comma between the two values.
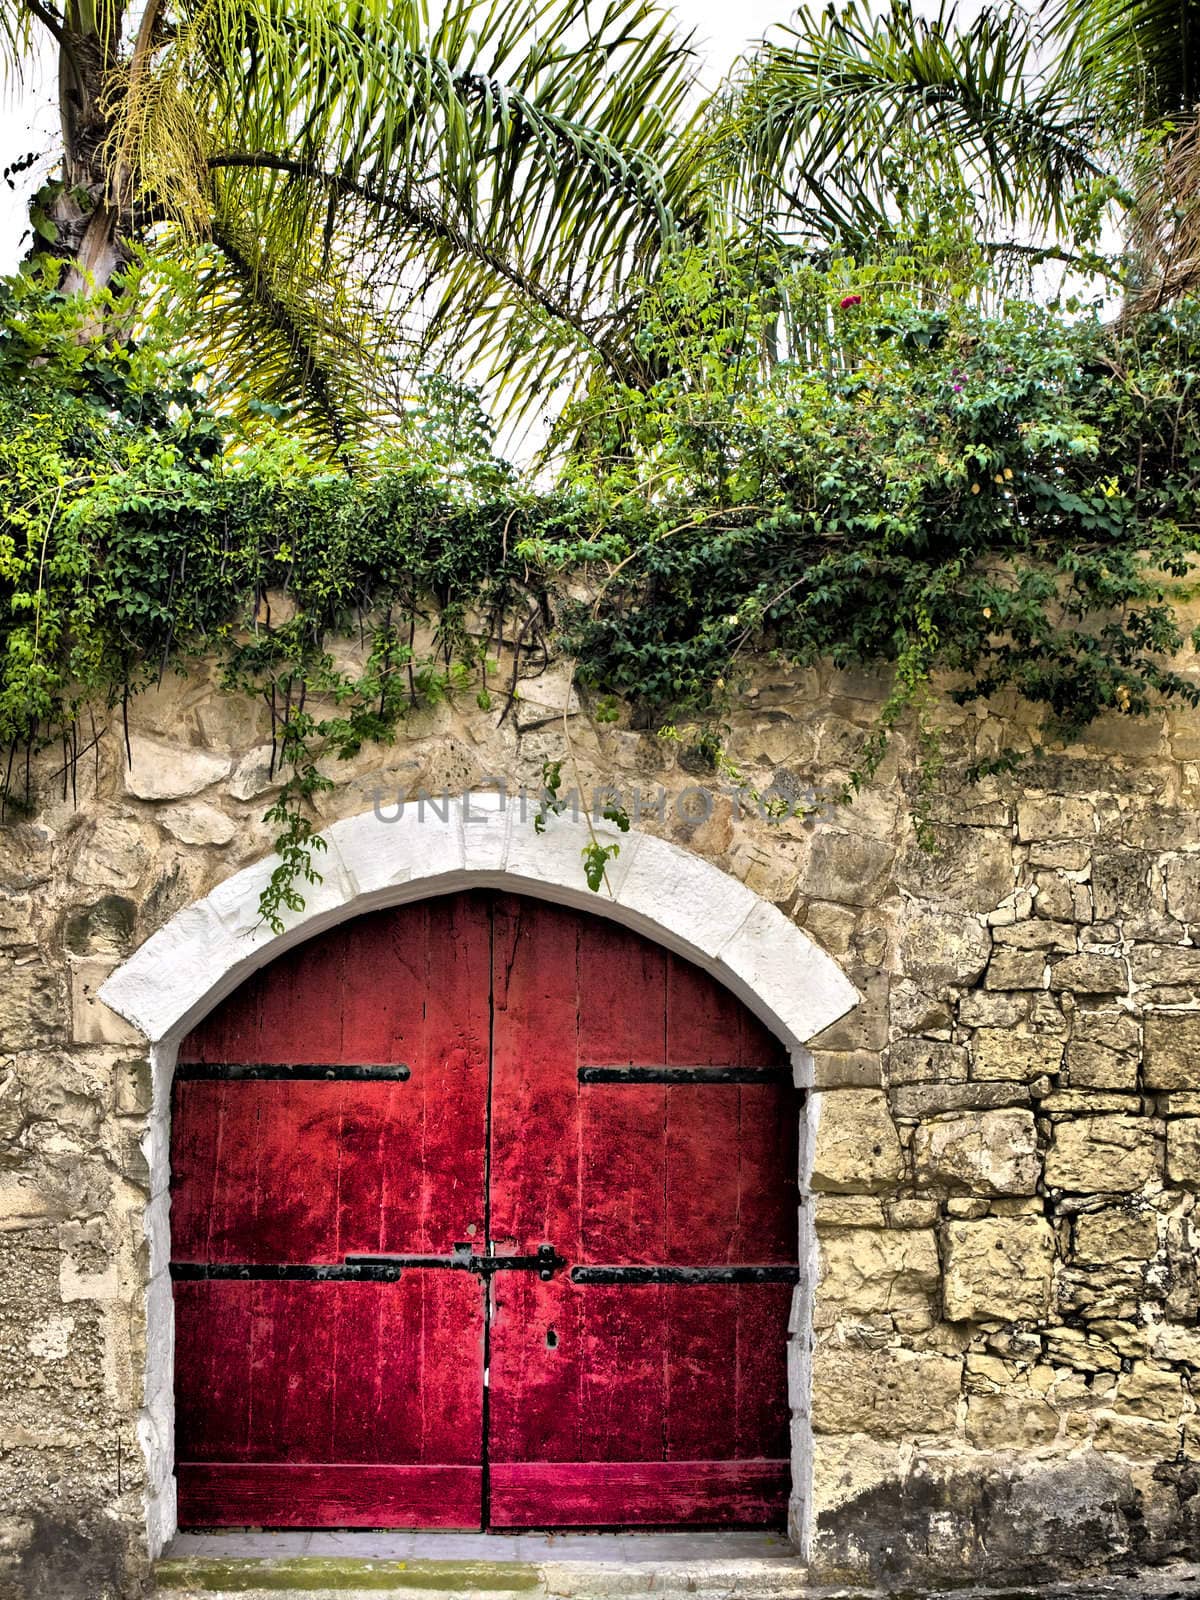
x=351, y=1578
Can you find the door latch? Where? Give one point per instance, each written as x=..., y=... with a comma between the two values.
x=545, y=1263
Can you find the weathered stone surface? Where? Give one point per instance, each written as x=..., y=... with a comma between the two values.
x=1007, y=1421
x=998, y=1269
x=865, y=1271
x=1151, y=1391
x=1181, y=875
x=91, y=1020
x=197, y=823
x=993, y=1152
x=1116, y=1235
x=845, y=1069
x=1183, y=1152
x=890, y=1393
x=1001, y=1053
x=925, y=1061
x=846, y=867
x=913, y=1101
x=981, y=1008
x=1165, y=966
x=945, y=948
x=1016, y=969
x=1037, y=935
x=1094, y=1066
x=161, y=771
x=970, y=868
x=857, y=1147
x=1055, y=817
x=1105, y=1154
x=114, y=854
x=1089, y=974
x=1172, y=1050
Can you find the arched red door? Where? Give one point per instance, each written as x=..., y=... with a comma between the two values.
x=483, y=1214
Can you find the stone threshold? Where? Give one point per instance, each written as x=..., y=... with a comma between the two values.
x=350, y=1565
x=632, y=1566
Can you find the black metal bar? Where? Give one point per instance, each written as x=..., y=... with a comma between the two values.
x=281, y=1272
x=240, y=1071
x=684, y=1075
x=685, y=1275
x=545, y=1263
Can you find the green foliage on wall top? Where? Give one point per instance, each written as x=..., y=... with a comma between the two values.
x=880, y=474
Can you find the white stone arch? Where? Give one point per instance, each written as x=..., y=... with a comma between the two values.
x=404, y=853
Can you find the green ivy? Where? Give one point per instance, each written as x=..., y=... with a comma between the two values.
x=827, y=465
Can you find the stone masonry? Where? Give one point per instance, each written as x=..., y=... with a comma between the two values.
x=1004, y=1335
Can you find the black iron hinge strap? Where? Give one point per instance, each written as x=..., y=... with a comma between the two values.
x=610, y=1275
x=243, y=1071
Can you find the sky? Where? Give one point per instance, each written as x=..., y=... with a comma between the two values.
x=28, y=114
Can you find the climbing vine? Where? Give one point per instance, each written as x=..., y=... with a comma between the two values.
x=824, y=463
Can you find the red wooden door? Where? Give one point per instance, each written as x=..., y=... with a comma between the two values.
x=569, y=1086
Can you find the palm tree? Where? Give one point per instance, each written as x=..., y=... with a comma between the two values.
x=847, y=123
x=334, y=171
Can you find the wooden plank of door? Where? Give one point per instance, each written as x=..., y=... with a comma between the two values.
x=583, y=1494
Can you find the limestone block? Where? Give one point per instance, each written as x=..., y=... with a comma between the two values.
x=1084, y=1352
x=1151, y=1391
x=1172, y=1050
x=114, y=854
x=998, y=1269
x=1055, y=897
x=1165, y=965
x=1094, y=1066
x=1055, y=817
x=915, y=1101
x=847, y=868
x=857, y=1146
x=1001, y=1053
x=194, y=822
x=91, y=1020
x=865, y=1271
x=1170, y=1342
x=1114, y=1236
x=1089, y=974
x=984, y=1008
x=1110, y=1154
x=1037, y=935
x=994, y=1152
x=253, y=774
x=1010, y=1420
x=1135, y=1436
x=1183, y=1152
x=939, y=947
x=1182, y=877
x=845, y=1069
x=913, y=1010
x=969, y=868
x=1016, y=969
x=888, y=1393
x=926, y=1061
x=847, y=1211
x=161, y=771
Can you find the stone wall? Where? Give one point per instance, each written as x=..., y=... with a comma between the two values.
x=1004, y=1326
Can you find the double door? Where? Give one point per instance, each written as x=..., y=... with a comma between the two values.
x=483, y=1215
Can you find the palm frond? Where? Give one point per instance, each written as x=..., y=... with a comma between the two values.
x=835, y=116
x=512, y=164
x=1142, y=55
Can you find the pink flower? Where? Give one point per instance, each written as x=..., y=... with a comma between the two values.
x=848, y=301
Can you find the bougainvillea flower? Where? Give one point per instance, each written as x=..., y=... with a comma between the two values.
x=849, y=300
